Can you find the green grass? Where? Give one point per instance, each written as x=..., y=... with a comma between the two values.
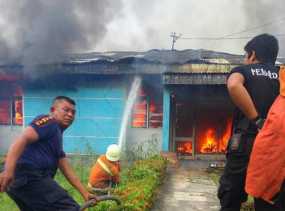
x=81, y=165
x=6, y=203
x=137, y=188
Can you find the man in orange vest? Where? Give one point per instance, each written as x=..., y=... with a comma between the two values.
x=106, y=170
x=266, y=169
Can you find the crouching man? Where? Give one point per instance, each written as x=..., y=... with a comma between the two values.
x=35, y=156
x=106, y=170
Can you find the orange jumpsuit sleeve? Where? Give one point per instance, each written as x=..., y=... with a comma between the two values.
x=266, y=169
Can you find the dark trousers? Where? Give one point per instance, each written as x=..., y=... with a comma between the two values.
x=261, y=205
x=231, y=190
x=40, y=193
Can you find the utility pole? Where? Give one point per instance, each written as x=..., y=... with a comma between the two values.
x=175, y=37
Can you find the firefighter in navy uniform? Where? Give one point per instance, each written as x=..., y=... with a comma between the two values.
x=32, y=162
x=252, y=87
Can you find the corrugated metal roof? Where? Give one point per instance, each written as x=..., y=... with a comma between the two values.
x=160, y=57
x=149, y=62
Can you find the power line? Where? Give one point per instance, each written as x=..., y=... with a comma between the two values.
x=257, y=27
x=224, y=38
x=228, y=36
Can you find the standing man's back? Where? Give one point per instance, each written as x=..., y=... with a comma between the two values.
x=261, y=83
x=252, y=87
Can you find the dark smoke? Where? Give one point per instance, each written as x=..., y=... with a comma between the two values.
x=44, y=31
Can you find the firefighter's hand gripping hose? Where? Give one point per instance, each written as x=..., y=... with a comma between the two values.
x=93, y=202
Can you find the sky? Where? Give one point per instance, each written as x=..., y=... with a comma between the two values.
x=148, y=24
x=40, y=31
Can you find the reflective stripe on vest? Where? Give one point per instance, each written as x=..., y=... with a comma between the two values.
x=89, y=185
x=105, y=167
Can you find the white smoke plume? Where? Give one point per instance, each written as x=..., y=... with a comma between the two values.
x=147, y=24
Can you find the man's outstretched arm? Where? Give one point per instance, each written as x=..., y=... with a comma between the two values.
x=72, y=178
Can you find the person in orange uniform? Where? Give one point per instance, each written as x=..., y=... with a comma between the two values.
x=266, y=170
x=106, y=169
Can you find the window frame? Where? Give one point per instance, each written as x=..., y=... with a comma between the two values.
x=11, y=110
x=148, y=113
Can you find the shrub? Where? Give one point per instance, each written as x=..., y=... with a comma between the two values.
x=137, y=189
x=138, y=185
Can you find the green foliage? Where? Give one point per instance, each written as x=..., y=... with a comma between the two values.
x=138, y=186
x=1, y=164
x=139, y=183
x=2, y=157
x=81, y=165
x=6, y=203
x=136, y=190
x=248, y=206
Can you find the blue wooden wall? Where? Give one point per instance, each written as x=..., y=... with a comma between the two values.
x=166, y=120
x=99, y=112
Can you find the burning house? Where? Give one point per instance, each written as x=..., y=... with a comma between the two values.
x=11, y=110
x=181, y=101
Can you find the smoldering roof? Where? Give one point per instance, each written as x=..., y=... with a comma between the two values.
x=200, y=56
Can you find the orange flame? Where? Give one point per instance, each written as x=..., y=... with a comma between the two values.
x=213, y=144
x=18, y=112
x=139, y=114
x=184, y=147
x=226, y=136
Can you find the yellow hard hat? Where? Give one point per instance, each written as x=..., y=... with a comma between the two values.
x=113, y=152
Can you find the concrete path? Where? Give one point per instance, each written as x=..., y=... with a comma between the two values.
x=187, y=188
